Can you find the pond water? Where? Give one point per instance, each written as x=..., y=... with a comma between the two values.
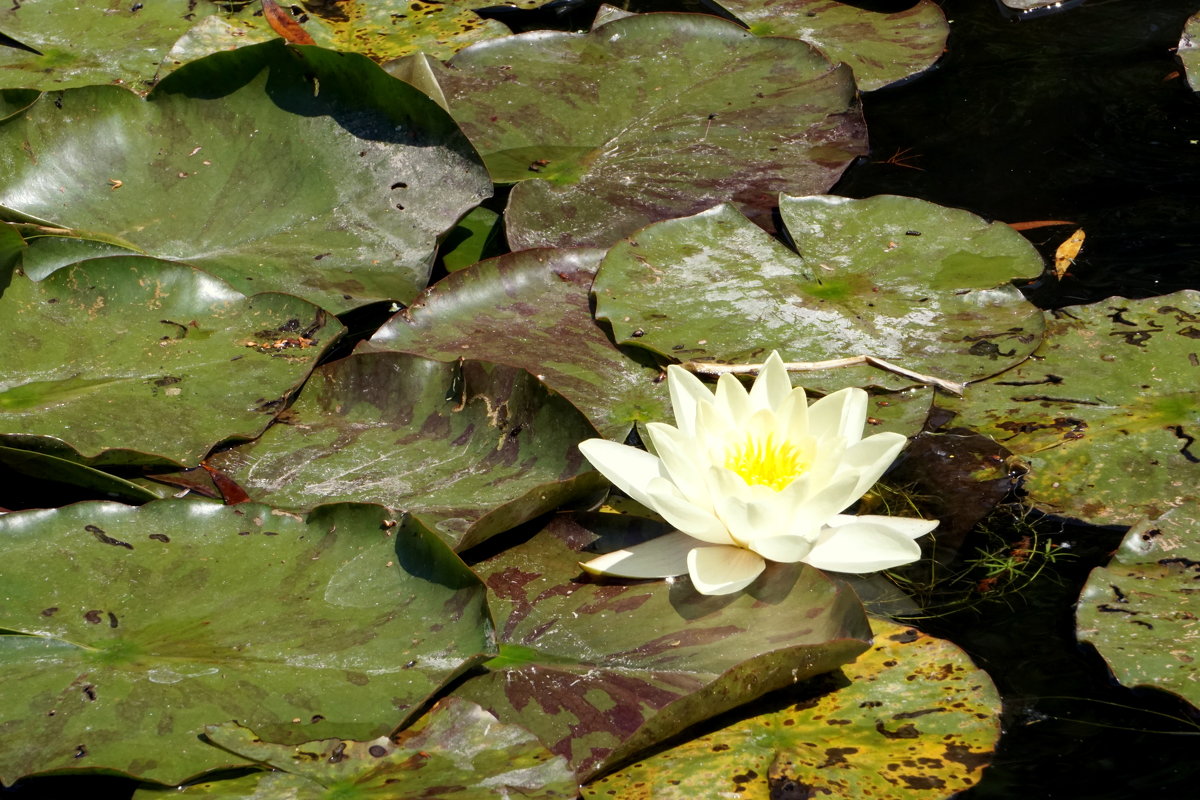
x=1082, y=116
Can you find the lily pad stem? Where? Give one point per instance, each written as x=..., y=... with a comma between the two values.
x=708, y=368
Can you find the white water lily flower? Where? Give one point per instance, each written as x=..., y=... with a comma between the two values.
x=751, y=477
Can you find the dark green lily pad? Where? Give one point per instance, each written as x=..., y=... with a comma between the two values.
x=457, y=751
x=880, y=48
x=600, y=671
x=531, y=309
x=1189, y=51
x=911, y=718
x=920, y=285
x=57, y=470
x=14, y=101
x=80, y=44
x=1140, y=611
x=1112, y=394
x=649, y=117
x=146, y=624
x=478, y=235
x=469, y=449
x=276, y=168
x=135, y=360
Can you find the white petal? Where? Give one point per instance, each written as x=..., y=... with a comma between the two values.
x=911, y=527
x=723, y=570
x=785, y=549
x=792, y=413
x=861, y=547
x=665, y=498
x=658, y=558
x=843, y=413
x=629, y=468
x=683, y=461
x=772, y=385
x=731, y=399
x=831, y=499
x=871, y=457
x=687, y=393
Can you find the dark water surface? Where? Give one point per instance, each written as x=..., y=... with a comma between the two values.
x=1082, y=116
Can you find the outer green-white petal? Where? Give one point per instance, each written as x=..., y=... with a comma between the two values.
x=663, y=557
x=723, y=570
x=871, y=457
x=687, y=394
x=862, y=547
x=772, y=385
x=843, y=413
x=628, y=468
x=665, y=498
x=911, y=527
x=683, y=461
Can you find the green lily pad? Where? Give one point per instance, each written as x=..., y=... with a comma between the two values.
x=600, y=671
x=912, y=717
x=880, y=48
x=1189, y=51
x=1112, y=394
x=469, y=449
x=919, y=285
x=145, y=624
x=649, y=117
x=530, y=309
x=135, y=360
x=477, y=236
x=277, y=168
x=1140, y=611
x=80, y=44
x=457, y=751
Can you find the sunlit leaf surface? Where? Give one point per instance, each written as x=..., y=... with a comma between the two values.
x=146, y=624
x=275, y=167
x=650, y=117
x=1112, y=394
x=923, y=286
x=1140, y=611
x=911, y=718
x=135, y=359
x=600, y=671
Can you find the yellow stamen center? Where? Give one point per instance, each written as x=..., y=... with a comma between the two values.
x=766, y=462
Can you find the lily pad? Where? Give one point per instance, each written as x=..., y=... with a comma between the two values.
x=649, y=117
x=277, y=168
x=919, y=285
x=80, y=44
x=1140, y=611
x=600, y=671
x=457, y=751
x=1189, y=51
x=146, y=624
x=379, y=29
x=911, y=718
x=469, y=449
x=1112, y=394
x=135, y=360
x=531, y=309
x=14, y=101
x=881, y=48
x=62, y=472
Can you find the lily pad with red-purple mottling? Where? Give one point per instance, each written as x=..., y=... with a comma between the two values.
x=602, y=670
x=650, y=117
